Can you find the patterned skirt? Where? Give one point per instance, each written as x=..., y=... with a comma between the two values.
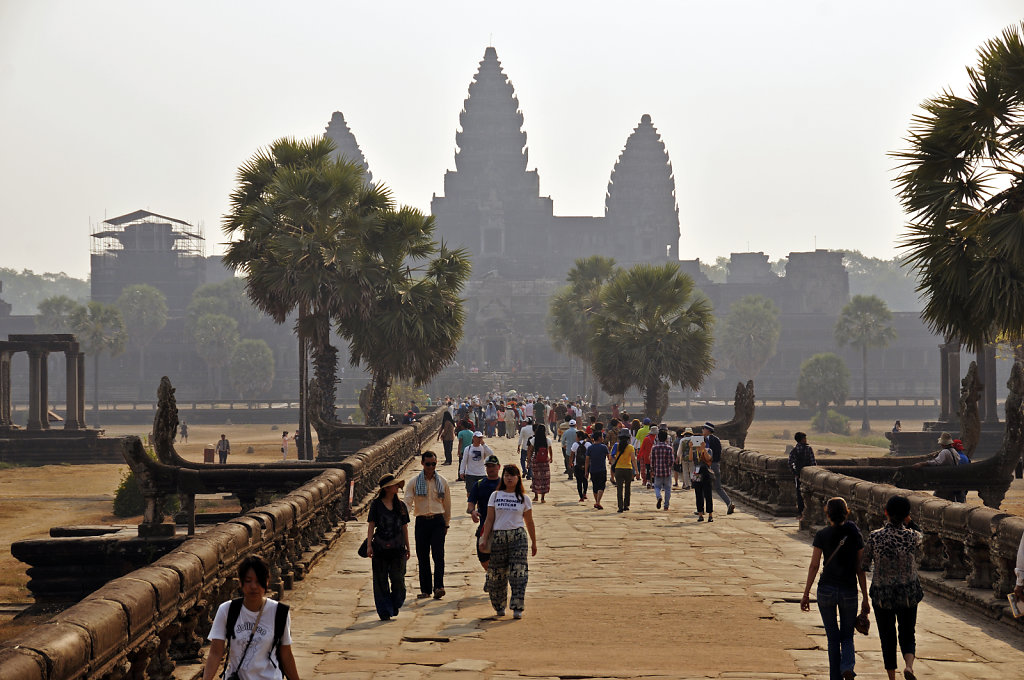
x=541, y=472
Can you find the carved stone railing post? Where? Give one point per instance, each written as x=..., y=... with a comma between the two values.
x=185, y=644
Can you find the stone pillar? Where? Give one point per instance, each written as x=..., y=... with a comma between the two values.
x=944, y=382
x=71, y=421
x=34, y=361
x=44, y=390
x=81, y=388
x=989, y=394
x=953, y=384
x=5, y=389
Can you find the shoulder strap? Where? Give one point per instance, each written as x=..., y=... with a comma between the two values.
x=234, y=609
x=280, y=618
x=841, y=542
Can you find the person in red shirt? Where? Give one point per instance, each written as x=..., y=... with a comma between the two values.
x=643, y=457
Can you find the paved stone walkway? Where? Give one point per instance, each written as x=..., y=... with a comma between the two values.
x=644, y=594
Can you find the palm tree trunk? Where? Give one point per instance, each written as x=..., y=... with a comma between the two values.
x=303, y=384
x=378, y=399
x=142, y=372
x=651, y=397
x=865, y=426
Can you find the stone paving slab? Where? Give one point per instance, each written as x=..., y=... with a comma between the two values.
x=646, y=594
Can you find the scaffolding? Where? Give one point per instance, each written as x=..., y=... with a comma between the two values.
x=142, y=247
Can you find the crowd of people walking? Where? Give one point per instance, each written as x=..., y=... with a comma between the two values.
x=657, y=458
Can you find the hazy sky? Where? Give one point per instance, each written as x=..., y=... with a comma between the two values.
x=777, y=115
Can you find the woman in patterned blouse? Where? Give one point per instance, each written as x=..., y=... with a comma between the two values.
x=895, y=586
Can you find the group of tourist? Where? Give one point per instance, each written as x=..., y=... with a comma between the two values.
x=495, y=500
x=506, y=536
x=657, y=457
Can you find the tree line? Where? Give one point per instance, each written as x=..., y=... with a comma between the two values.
x=649, y=327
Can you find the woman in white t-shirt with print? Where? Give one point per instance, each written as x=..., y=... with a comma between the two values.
x=252, y=654
x=509, y=518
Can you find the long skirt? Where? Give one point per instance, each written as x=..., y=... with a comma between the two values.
x=541, y=475
x=508, y=567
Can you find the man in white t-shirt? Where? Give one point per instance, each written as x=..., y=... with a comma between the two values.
x=525, y=432
x=528, y=408
x=473, y=466
x=258, y=659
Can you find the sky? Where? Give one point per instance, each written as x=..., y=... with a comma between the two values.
x=778, y=116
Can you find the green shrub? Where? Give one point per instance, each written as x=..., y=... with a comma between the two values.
x=835, y=422
x=128, y=499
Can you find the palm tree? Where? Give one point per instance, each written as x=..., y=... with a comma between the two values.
x=299, y=215
x=571, y=307
x=55, y=314
x=100, y=329
x=417, y=318
x=144, y=309
x=962, y=183
x=653, y=328
x=863, y=324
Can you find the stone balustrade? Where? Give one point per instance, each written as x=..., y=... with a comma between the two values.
x=969, y=551
x=140, y=625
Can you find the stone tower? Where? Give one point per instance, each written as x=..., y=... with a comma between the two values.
x=640, y=206
x=348, y=148
x=492, y=205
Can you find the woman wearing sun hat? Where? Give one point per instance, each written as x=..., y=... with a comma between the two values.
x=387, y=544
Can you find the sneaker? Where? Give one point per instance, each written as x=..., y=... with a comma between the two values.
x=499, y=612
x=438, y=593
x=659, y=502
x=666, y=507
x=619, y=510
x=701, y=518
x=422, y=596
x=732, y=508
x=710, y=519
x=517, y=613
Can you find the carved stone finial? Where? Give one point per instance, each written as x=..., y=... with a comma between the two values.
x=743, y=415
x=165, y=423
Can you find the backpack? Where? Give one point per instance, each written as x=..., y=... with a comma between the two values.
x=280, y=617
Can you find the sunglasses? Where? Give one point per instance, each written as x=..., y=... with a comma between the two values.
x=434, y=464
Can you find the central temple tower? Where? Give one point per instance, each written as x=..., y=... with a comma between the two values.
x=492, y=205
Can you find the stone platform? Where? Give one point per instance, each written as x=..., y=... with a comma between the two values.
x=643, y=594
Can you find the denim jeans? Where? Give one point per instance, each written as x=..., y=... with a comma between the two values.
x=833, y=601
x=663, y=484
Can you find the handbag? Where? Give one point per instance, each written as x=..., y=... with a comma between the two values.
x=387, y=544
x=862, y=624
x=485, y=546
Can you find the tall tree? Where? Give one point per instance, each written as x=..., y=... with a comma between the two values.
x=824, y=380
x=750, y=334
x=252, y=368
x=416, y=324
x=55, y=314
x=864, y=324
x=144, y=310
x=963, y=187
x=100, y=329
x=297, y=216
x=572, y=306
x=216, y=336
x=653, y=329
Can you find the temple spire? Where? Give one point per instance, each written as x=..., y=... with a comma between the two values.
x=641, y=201
x=347, y=146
